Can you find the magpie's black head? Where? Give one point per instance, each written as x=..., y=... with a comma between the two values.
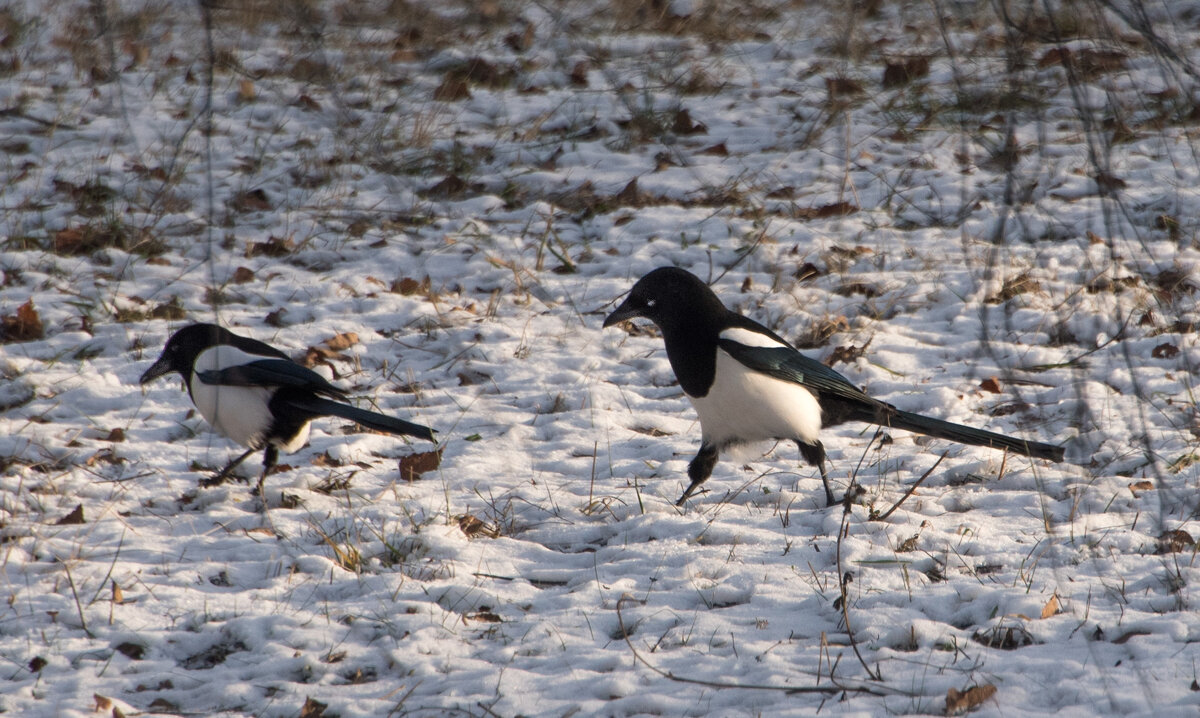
x=183, y=347
x=673, y=299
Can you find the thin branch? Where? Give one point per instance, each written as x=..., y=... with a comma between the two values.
x=872, y=690
x=911, y=489
x=852, y=492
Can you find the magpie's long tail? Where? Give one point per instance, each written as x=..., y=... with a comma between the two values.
x=976, y=437
x=324, y=407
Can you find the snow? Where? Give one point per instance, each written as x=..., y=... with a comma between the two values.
x=542, y=568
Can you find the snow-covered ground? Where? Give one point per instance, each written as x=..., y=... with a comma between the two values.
x=993, y=224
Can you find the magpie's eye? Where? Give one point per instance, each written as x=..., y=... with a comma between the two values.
x=651, y=302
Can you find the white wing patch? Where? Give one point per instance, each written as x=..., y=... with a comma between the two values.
x=749, y=338
x=743, y=405
x=239, y=412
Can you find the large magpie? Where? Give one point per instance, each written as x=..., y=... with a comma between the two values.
x=748, y=384
x=254, y=394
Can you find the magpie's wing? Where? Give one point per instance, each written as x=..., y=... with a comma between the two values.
x=787, y=364
x=271, y=373
x=841, y=400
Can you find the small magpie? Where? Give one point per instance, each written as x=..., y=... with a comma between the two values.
x=254, y=394
x=748, y=384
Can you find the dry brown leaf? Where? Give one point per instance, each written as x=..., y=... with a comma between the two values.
x=312, y=708
x=1166, y=350
x=1121, y=640
x=452, y=89
x=345, y=340
x=484, y=616
x=1143, y=485
x=116, y=435
x=836, y=209
x=990, y=384
x=324, y=460
x=473, y=526
x=1051, y=608
x=103, y=703
x=241, y=275
x=1175, y=541
x=413, y=465
x=118, y=596
x=23, y=326
x=408, y=286
x=246, y=91
x=273, y=247
x=960, y=702
x=75, y=517
x=253, y=200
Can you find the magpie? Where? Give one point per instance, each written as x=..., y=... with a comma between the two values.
x=254, y=394
x=747, y=384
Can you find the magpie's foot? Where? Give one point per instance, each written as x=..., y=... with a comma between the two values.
x=687, y=494
x=214, y=481
x=222, y=478
x=853, y=492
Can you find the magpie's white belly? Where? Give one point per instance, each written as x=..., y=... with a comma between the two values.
x=238, y=412
x=744, y=406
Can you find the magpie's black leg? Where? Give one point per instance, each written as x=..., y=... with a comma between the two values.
x=815, y=454
x=699, y=470
x=222, y=475
x=270, y=456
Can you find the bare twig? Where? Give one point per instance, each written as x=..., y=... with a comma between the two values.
x=852, y=492
x=870, y=689
x=911, y=489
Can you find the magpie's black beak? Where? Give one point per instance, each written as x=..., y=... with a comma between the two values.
x=162, y=367
x=623, y=312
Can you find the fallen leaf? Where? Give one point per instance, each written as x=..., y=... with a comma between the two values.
x=1175, y=541
x=23, y=326
x=408, y=286
x=1122, y=639
x=905, y=71
x=413, y=465
x=246, y=91
x=450, y=187
x=305, y=102
x=345, y=340
x=1165, y=350
x=1051, y=608
x=273, y=247
x=485, y=616
x=103, y=703
x=1143, y=485
x=312, y=708
x=990, y=384
x=241, y=275
x=253, y=200
x=960, y=702
x=684, y=125
x=452, y=89
x=131, y=650
x=473, y=526
x=629, y=195
x=836, y=209
x=841, y=86
x=75, y=517
x=116, y=435
x=579, y=73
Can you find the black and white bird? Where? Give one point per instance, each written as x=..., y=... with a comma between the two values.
x=748, y=384
x=254, y=394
